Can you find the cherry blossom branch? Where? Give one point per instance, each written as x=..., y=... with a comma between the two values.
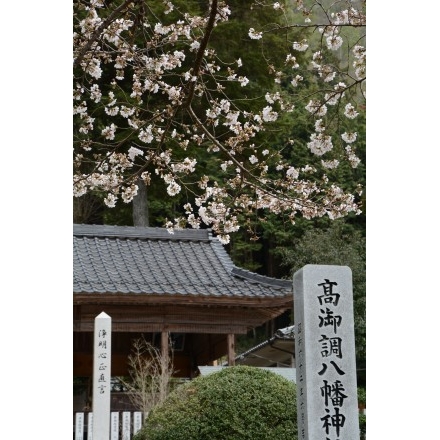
x=113, y=16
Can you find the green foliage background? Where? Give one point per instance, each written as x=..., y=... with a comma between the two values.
x=339, y=244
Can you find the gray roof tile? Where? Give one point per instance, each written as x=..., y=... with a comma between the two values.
x=151, y=261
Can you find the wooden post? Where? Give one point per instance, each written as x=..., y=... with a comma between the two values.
x=231, y=349
x=164, y=346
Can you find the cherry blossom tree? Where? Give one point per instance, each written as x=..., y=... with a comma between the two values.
x=151, y=96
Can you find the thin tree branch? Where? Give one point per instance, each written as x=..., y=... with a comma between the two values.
x=201, y=52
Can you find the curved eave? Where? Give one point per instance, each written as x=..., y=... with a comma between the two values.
x=261, y=280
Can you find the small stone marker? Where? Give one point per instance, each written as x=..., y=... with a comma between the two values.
x=126, y=421
x=90, y=426
x=101, y=376
x=79, y=426
x=327, y=405
x=114, y=432
x=137, y=421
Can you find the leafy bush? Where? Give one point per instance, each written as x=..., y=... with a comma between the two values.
x=235, y=403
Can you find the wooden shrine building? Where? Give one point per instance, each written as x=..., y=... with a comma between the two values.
x=181, y=287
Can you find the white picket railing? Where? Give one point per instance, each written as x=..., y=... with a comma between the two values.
x=124, y=425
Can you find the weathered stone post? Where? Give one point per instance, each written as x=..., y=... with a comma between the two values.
x=325, y=353
x=101, y=377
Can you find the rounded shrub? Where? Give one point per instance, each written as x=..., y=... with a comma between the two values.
x=236, y=403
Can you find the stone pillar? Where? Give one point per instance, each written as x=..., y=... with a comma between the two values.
x=325, y=353
x=114, y=431
x=137, y=421
x=101, y=377
x=90, y=426
x=126, y=425
x=79, y=426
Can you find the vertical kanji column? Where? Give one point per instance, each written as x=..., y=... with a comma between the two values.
x=325, y=353
x=101, y=377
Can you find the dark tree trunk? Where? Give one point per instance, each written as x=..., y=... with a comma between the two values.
x=140, y=205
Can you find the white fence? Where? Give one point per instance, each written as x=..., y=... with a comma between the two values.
x=124, y=425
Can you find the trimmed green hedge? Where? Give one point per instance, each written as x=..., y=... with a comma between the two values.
x=235, y=403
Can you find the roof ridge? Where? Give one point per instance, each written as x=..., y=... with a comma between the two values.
x=141, y=232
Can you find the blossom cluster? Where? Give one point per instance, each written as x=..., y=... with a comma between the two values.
x=150, y=92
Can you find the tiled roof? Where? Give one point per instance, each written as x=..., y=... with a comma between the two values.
x=151, y=261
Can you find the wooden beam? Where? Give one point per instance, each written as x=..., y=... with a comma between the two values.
x=138, y=327
x=149, y=300
x=177, y=318
x=164, y=346
x=231, y=349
